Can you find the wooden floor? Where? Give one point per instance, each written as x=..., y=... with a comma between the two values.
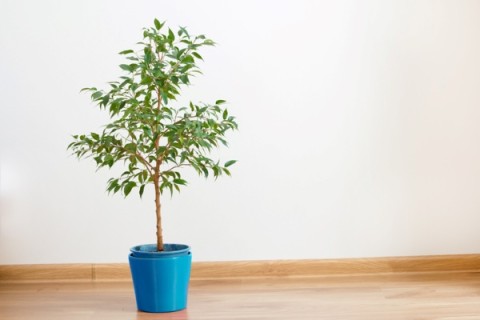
x=446, y=296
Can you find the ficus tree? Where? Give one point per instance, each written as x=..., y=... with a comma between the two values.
x=150, y=134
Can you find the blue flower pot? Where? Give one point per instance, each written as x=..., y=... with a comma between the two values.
x=160, y=279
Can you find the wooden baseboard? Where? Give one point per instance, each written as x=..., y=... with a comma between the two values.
x=245, y=269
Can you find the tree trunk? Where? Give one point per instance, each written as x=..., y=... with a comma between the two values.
x=158, y=209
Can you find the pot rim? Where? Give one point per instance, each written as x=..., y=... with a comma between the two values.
x=150, y=250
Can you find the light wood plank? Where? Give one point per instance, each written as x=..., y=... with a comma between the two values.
x=335, y=267
x=49, y=272
x=243, y=269
x=112, y=271
x=395, y=296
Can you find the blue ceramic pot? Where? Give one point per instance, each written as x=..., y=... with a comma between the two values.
x=160, y=279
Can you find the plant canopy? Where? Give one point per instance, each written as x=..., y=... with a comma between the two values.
x=148, y=133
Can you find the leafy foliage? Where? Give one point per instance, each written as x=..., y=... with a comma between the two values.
x=148, y=133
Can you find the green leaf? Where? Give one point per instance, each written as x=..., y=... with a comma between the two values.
x=97, y=95
x=227, y=172
x=112, y=185
x=180, y=181
x=147, y=131
x=184, y=79
x=131, y=147
x=148, y=55
x=188, y=59
x=108, y=160
x=126, y=51
x=146, y=80
x=125, y=67
x=197, y=55
x=142, y=188
x=171, y=36
x=220, y=101
x=88, y=89
x=157, y=23
x=164, y=97
x=229, y=163
x=183, y=30
x=128, y=187
x=144, y=175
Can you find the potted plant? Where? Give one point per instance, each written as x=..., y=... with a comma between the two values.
x=154, y=138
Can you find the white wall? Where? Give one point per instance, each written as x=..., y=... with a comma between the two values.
x=359, y=130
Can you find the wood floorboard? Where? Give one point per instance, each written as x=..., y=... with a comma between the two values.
x=422, y=296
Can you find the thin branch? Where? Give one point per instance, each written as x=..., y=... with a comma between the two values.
x=177, y=166
x=138, y=154
x=142, y=159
